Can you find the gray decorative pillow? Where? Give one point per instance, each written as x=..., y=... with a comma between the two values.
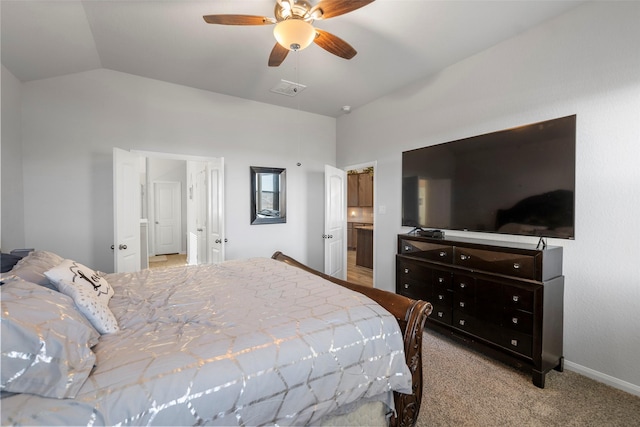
x=46, y=343
x=31, y=268
x=90, y=291
x=8, y=261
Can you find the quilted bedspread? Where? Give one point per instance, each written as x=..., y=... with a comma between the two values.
x=254, y=342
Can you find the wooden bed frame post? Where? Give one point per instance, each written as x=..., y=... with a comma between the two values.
x=408, y=405
x=411, y=316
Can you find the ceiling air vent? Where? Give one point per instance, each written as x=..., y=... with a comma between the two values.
x=288, y=88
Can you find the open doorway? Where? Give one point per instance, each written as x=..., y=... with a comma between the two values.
x=360, y=223
x=197, y=213
x=165, y=206
x=186, y=191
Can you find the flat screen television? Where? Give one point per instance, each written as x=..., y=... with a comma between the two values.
x=517, y=181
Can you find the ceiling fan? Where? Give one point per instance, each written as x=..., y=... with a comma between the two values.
x=293, y=26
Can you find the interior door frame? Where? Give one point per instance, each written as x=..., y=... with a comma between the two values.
x=374, y=165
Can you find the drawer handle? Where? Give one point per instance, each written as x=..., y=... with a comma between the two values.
x=461, y=303
x=516, y=265
x=441, y=297
x=406, y=286
x=514, y=320
x=461, y=322
x=406, y=271
x=442, y=254
x=514, y=343
x=440, y=279
x=515, y=298
x=440, y=314
x=465, y=257
x=407, y=248
x=463, y=285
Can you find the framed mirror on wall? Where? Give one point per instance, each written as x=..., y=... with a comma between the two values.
x=268, y=195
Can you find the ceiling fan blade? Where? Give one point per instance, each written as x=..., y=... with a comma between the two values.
x=238, y=20
x=331, y=8
x=334, y=44
x=278, y=54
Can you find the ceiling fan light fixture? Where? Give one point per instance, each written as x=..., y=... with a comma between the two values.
x=294, y=34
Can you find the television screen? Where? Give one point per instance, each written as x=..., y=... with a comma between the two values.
x=516, y=181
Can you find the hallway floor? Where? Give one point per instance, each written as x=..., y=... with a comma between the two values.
x=161, y=261
x=357, y=274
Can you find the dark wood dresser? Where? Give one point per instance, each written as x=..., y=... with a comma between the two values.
x=504, y=299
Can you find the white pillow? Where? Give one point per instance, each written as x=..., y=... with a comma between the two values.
x=89, y=291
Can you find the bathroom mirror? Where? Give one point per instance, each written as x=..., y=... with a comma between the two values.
x=268, y=195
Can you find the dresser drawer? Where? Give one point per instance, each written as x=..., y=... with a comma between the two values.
x=511, y=264
x=442, y=297
x=427, y=250
x=518, y=321
x=442, y=280
x=518, y=298
x=415, y=289
x=517, y=341
x=464, y=285
x=467, y=322
x=413, y=269
x=464, y=304
x=441, y=313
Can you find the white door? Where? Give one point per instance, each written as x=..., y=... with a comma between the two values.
x=216, y=237
x=197, y=207
x=126, y=211
x=168, y=217
x=192, y=238
x=202, y=213
x=335, y=222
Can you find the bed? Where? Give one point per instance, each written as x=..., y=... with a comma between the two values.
x=262, y=341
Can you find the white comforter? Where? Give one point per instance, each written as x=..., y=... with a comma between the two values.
x=252, y=342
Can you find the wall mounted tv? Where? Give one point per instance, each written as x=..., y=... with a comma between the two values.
x=516, y=181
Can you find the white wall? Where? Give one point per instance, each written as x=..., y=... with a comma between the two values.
x=71, y=123
x=586, y=62
x=12, y=210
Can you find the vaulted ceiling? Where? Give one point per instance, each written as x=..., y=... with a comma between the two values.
x=398, y=42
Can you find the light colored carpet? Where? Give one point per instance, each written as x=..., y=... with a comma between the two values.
x=465, y=388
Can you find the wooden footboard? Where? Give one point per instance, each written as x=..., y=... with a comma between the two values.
x=411, y=315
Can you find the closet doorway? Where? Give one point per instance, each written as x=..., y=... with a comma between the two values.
x=361, y=223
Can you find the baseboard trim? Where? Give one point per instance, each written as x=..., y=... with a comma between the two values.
x=603, y=378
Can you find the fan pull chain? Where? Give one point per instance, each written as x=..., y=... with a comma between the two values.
x=297, y=54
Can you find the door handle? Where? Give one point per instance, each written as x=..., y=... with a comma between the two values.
x=122, y=247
